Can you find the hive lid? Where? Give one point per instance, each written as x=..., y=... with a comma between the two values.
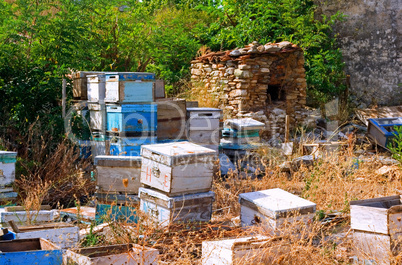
x=118, y=161
x=178, y=153
x=277, y=203
x=204, y=109
x=8, y=157
x=244, y=124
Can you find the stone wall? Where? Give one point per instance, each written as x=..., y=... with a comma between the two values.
x=370, y=39
x=266, y=82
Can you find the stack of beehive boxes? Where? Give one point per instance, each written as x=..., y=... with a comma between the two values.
x=241, y=134
x=130, y=112
x=118, y=181
x=177, y=180
x=7, y=176
x=203, y=126
x=377, y=228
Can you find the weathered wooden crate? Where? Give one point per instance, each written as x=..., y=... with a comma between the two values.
x=275, y=210
x=171, y=117
x=133, y=118
x=185, y=208
x=118, y=173
x=242, y=250
x=128, y=146
x=177, y=168
x=30, y=251
x=7, y=168
x=63, y=235
x=21, y=217
x=80, y=84
x=244, y=124
x=130, y=87
x=377, y=226
x=383, y=129
x=379, y=215
x=96, y=88
x=97, y=115
x=127, y=254
x=203, y=119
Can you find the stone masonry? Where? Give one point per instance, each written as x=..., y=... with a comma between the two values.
x=266, y=82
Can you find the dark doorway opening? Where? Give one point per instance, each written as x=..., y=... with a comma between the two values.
x=275, y=93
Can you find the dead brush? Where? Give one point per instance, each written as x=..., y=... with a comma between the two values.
x=55, y=169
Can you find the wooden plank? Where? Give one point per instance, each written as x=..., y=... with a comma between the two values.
x=169, y=109
x=380, y=112
x=22, y=208
x=14, y=226
x=204, y=136
x=369, y=219
x=171, y=129
x=372, y=246
x=118, y=161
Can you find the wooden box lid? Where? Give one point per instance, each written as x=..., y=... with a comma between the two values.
x=118, y=161
x=178, y=153
x=276, y=203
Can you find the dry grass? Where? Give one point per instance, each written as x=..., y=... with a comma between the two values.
x=199, y=92
x=332, y=182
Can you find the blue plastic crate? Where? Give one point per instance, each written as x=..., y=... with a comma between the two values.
x=128, y=118
x=129, y=146
x=383, y=129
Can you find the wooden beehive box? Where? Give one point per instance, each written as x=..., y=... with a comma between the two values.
x=21, y=217
x=7, y=168
x=377, y=226
x=128, y=146
x=36, y=251
x=205, y=119
x=244, y=124
x=118, y=173
x=117, y=207
x=127, y=254
x=171, y=116
x=177, y=168
x=242, y=250
x=96, y=88
x=130, y=88
x=63, y=235
x=275, y=210
x=80, y=84
x=97, y=116
x=185, y=208
x=383, y=129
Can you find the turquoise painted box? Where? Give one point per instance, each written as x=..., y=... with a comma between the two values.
x=131, y=118
x=36, y=251
x=129, y=88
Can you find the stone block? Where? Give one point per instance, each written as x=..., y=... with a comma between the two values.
x=244, y=66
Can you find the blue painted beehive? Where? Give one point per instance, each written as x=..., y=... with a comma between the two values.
x=130, y=88
x=131, y=118
x=383, y=129
x=129, y=146
x=36, y=251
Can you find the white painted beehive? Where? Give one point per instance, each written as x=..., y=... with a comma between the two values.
x=167, y=210
x=127, y=254
x=377, y=228
x=20, y=217
x=244, y=124
x=97, y=115
x=177, y=168
x=203, y=119
x=242, y=250
x=7, y=168
x=275, y=210
x=61, y=234
x=118, y=173
x=96, y=88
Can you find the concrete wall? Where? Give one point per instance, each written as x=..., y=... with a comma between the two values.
x=370, y=40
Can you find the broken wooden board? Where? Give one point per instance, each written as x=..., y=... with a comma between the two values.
x=129, y=254
x=381, y=112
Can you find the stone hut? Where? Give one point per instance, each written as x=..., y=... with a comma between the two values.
x=266, y=82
